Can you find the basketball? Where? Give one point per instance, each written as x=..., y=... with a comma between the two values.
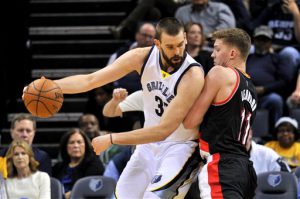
x=43, y=98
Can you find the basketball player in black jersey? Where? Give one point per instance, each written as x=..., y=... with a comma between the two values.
x=226, y=109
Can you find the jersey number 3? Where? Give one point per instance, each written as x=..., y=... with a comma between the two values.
x=160, y=106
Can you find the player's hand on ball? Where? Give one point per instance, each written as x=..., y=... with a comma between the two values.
x=101, y=143
x=24, y=89
x=43, y=97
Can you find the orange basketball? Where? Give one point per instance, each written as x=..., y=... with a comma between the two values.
x=43, y=98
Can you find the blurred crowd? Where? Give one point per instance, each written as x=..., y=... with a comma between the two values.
x=273, y=65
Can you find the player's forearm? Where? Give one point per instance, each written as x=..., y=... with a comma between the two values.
x=142, y=136
x=111, y=109
x=75, y=84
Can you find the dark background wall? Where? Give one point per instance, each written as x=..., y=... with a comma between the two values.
x=14, y=66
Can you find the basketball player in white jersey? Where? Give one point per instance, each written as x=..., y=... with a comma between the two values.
x=166, y=157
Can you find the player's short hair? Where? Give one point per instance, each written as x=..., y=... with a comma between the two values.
x=236, y=37
x=23, y=116
x=168, y=25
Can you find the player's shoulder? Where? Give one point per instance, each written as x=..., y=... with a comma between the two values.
x=140, y=51
x=194, y=72
x=221, y=73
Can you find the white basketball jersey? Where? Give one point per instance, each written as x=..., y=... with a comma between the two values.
x=158, y=92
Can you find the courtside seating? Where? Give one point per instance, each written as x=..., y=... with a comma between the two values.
x=276, y=185
x=57, y=189
x=93, y=187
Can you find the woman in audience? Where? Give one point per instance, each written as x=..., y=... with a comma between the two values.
x=287, y=145
x=24, y=180
x=78, y=160
x=195, y=45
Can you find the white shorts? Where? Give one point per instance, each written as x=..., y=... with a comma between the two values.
x=159, y=170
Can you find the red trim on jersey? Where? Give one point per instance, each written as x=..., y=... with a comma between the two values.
x=213, y=177
x=233, y=91
x=204, y=146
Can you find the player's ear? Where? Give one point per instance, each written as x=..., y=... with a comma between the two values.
x=233, y=53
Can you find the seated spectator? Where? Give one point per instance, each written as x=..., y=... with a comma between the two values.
x=144, y=37
x=268, y=73
x=88, y=123
x=24, y=179
x=3, y=169
x=146, y=10
x=283, y=18
x=23, y=127
x=212, y=15
x=286, y=145
x=195, y=45
x=241, y=14
x=78, y=160
x=265, y=159
x=117, y=164
x=3, y=176
x=97, y=99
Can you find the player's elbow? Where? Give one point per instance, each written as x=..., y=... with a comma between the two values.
x=190, y=123
x=165, y=131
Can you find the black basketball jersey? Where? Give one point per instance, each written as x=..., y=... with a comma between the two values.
x=225, y=127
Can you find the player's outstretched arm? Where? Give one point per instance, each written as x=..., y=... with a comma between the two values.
x=112, y=108
x=128, y=62
x=188, y=89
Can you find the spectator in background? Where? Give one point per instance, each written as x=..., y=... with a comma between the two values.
x=146, y=10
x=195, y=45
x=78, y=160
x=23, y=127
x=24, y=179
x=265, y=159
x=241, y=14
x=89, y=124
x=283, y=17
x=3, y=169
x=212, y=15
x=3, y=176
x=117, y=164
x=97, y=99
x=268, y=73
x=286, y=145
x=144, y=37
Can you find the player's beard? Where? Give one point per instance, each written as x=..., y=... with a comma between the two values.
x=169, y=62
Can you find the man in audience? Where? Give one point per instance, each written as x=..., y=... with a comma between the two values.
x=269, y=74
x=144, y=37
x=89, y=124
x=212, y=15
x=23, y=127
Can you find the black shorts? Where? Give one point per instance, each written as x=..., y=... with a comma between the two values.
x=227, y=176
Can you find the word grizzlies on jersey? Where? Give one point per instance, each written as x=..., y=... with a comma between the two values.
x=246, y=96
x=158, y=85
